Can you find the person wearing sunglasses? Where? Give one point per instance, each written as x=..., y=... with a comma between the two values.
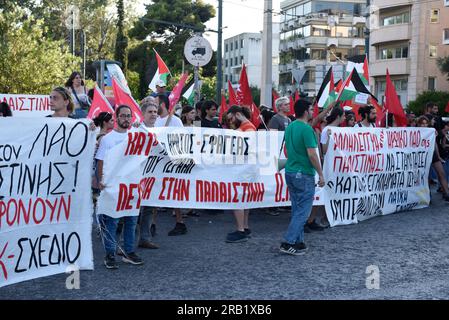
x=118, y=135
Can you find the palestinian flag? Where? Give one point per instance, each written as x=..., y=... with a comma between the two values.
x=352, y=86
x=326, y=94
x=359, y=63
x=161, y=74
x=188, y=91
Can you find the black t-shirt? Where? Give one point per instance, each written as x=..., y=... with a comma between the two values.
x=210, y=124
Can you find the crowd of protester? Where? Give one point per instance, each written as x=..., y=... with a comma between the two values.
x=303, y=134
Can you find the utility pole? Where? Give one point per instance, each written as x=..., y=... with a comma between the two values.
x=219, y=51
x=267, y=53
x=367, y=28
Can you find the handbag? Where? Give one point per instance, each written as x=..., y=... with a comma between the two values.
x=83, y=104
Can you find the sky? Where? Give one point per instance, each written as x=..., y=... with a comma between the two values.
x=238, y=16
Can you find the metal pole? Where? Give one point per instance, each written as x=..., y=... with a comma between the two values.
x=84, y=54
x=73, y=32
x=196, y=85
x=267, y=53
x=219, y=51
x=367, y=27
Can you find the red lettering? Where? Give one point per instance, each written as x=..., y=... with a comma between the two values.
x=235, y=185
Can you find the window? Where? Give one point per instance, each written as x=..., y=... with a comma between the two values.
x=226, y=63
x=393, y=53
x=226, y=78
x=396, y=19
x=432, y=51
x=434, y=15
x=307, y=8
x=431, y=83
x=236, y=45
x=318, y=54
x=241, y=59
x=241, y=43
x=226, y=47
x=446, y=36
x=236, y=61
x=232, y=46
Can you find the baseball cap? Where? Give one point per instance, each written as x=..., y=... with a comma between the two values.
x=160, y=83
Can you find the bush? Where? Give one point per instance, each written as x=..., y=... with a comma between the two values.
x=418, y=106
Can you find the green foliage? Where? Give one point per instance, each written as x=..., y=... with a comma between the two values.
x=443, y=65
x=133, y=83
x=30, y=62
x=418, y=106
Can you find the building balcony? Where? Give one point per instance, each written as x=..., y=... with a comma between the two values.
x=332, y=42
x=394, y=66
x=399, y=32
x=358, y=21
x=388, y=3
x=358, y=42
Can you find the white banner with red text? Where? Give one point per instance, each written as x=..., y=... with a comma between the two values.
x=45, y=198
x=193, y=168
x=27, y=105
x=373, y=172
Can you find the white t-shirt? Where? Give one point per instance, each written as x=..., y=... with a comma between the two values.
x=174, y=122
x=109, y=141
x=324, y=135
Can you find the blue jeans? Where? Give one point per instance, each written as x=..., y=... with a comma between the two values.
x=302, y=190
x=110, y=234
x=145, y=221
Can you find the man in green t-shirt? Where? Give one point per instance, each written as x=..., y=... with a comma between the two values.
x=301, y=144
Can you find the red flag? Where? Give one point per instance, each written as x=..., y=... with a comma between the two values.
x=316, y=110
x=223, y=108
x=275, y=97
x=365, y=69
x=292, y=106
x=176, y=92
x=379, y=112
x=99, y=104
x=122, y=97
x=232, y=97
x=447, y=107
x=244, y=96
x=296, y=95
x=393, y=104
x=255, y=115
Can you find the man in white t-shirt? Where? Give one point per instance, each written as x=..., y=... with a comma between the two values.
x=167, y=120
x=118, y=135
x=368, y=114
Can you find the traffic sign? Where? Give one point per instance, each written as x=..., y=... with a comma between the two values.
x=198, y=51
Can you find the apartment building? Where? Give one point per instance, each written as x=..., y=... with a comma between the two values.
x=407, y=37
x=315, y=35
x=247, y=48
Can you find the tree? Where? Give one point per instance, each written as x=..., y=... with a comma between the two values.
x=30, y=62
x=172, y=37
x=443, y=65
x=439, y=97
x=121, y=42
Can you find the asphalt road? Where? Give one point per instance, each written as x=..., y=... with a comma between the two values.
x=411, y=250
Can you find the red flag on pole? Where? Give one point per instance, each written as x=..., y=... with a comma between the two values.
x=275, y=97
x=223, y=108
x=99, y=104
x=232, y=97
x=122, y=97
x=244, y=97
x=447, y=107
x=255, y=115
x=176, y=92
x=393, y=104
